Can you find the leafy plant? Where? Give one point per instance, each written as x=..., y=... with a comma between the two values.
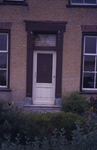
x=80, y=141
x=74, y=103
x=30, y=125
x=93, y=103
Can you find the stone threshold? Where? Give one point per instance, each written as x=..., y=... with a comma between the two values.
x=43, y=108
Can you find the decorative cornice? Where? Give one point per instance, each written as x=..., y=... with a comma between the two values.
x=5, y=25
x=89, y=28
x=45, y=25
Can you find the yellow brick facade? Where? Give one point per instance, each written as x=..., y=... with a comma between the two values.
x=51, y=10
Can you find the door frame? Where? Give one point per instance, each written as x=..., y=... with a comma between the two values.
x=35, y=76
x=57, y=27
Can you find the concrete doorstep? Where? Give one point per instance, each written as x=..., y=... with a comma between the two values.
x=43, y=108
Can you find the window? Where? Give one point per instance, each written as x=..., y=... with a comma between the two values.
x=89, y=73
x=45, y=40
x=13, y=0
x=4, y=59
x=19, y=2
x=83, y=2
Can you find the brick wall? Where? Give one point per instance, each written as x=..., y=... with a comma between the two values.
x=53, y=10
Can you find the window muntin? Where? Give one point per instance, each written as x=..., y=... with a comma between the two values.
x=89, y=80
x=3, y=59
x=83, y=2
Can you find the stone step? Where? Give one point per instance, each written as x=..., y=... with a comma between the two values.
x=43, y=108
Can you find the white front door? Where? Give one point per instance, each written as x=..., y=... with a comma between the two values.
x=44, y=71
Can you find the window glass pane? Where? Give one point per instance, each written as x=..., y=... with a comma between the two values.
x=3, y=41
x=88, y=80
x=89, y=63
x=90, y=1
x=44, y=68
x=77, y=1
x=45, y=39
x=90, y=45
x=3, y=60
x=2, y=78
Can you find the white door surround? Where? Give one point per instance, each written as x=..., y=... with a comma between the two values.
x=44, y=77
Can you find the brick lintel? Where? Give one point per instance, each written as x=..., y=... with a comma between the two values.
x=5, y=25
x=89, y=28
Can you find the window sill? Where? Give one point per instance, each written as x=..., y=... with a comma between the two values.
x=5, y=90
x=82, y=6
x=19, y=4
x=88, y=92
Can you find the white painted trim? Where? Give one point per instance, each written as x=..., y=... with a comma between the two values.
x=94, y=72
x=6, y=69
x=43, y=84
x=83, y=3
x=13, y=0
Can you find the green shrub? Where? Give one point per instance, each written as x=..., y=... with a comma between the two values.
x=30, y=125
x=93, y=103
x=74, y=103
x=45, y=124
x=48, y=127
x=80, y=141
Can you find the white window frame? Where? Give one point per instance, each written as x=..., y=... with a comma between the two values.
x=12, y=0
x=82, y=3
x=5, y=51
x=95, y=72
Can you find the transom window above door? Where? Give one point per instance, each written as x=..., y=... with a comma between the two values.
x=47, y=40
x=89, y=75
x=83, y=2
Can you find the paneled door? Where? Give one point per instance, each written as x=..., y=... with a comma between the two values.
x=44, y=76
